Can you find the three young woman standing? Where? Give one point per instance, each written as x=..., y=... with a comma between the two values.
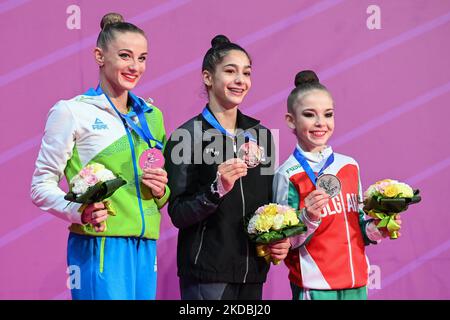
x=220, y=169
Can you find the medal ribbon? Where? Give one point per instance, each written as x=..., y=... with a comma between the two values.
x=209, y=117
x=304, y=163
x=138, y=107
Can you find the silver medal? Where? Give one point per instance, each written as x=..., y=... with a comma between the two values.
x=330, y=184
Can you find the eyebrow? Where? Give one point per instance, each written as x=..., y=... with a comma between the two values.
x=236, y=66
x=130, y=51
x=313, y=110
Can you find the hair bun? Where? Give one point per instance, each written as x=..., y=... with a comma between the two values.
x=111, y=18
x=306, y=76
x=219, y=40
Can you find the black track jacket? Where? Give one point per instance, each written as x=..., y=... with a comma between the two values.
x=213, y=245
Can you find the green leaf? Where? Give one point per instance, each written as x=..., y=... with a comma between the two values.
x=295, y=230
x=391, y=205
x=273, y=236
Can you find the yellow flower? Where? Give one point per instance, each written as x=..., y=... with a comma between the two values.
x=405, y=190
x=271, y=209
x=385, y=181
x=264, y=223
x=391, y=191
x=96, y=167
x=290, y=218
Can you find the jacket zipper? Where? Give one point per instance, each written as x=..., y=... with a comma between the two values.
x=201, y=243
x=133, y=156
x=136, y=177
x=243, y=212
x=243, y=217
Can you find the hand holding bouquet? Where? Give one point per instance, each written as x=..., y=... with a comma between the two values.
x=94, y=183
x=387, y=198
x=272, y=223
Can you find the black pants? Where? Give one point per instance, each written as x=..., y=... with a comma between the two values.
x=193, y=289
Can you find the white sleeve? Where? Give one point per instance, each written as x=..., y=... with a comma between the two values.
x=311, y=226
x=373, y=233
x=56, y=149
x=281, y=196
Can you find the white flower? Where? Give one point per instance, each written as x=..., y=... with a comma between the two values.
x=89, y=176
x=104, y=175
x=370, y=192
x=251, y=229
x=278, y=222
x=260, y=209
x=79, y=186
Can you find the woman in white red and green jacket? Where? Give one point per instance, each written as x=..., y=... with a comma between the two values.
x=329, y=260
x=114, y=257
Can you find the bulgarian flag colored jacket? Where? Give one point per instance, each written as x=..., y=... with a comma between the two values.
x=84, y=130
x=331, y=254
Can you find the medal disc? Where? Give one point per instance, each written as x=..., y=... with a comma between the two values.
x=151, y=158
x=330, y=184
x=251, y=153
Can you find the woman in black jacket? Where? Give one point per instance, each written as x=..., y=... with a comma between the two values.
x=220, y=169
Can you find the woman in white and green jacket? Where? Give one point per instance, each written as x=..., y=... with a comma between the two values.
x=115, y=255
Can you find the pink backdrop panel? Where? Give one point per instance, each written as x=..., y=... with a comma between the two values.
x=391, y=87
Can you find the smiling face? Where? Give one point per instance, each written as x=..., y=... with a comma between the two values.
x=230, y=82
x=122, y=63
x=312, y=119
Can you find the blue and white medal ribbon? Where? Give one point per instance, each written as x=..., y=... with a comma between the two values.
x=153, y=156
x=249, y=152
x=138, y=107
x=327, y=182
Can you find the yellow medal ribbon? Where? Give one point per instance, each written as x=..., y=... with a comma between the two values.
x=108, y=206
x=263, y=251
x=387, y=220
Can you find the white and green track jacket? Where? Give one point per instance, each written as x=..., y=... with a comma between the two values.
x=86, y=129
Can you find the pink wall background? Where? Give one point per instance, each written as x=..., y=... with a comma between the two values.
x=391, y=87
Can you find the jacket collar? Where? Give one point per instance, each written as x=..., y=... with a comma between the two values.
x=98, y=97
x=316, y=157
x=243, y=121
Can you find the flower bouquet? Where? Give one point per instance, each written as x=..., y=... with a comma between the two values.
x=387, y=198
x=94, y=183
x=271, y=223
